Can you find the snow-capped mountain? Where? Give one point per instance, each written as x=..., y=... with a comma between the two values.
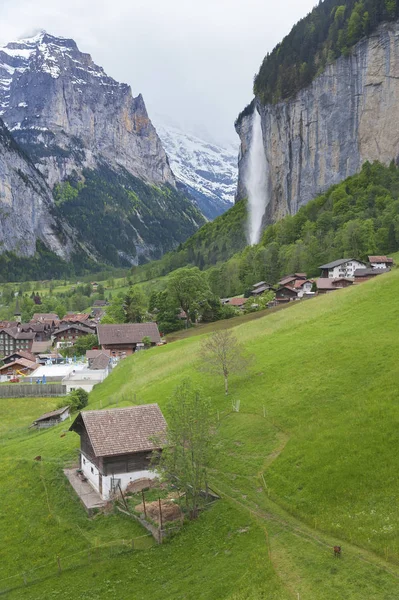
x=207, y=171
x=106, y=177
x=69, y=113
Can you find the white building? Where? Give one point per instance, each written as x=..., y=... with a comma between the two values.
x=344, y=267
x=84, y=378
x=116, y=445
x=380, y=262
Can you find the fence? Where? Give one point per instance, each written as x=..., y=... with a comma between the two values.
x=33, y=390
x=59, y=564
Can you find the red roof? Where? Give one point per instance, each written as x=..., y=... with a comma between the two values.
x=380, y=259
x=237, y=301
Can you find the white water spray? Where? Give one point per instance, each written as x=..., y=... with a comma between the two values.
x=256, y=181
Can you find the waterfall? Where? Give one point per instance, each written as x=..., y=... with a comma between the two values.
x=256, y=180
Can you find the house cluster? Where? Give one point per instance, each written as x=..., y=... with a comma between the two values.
x=333, y=276
x=32, y=350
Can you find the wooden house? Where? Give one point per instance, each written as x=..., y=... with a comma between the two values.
x=260, y=288
x=18, y=367
x=52, y=418
x=116, y=445
x=380, y=262
x=326, y=285
x=362, y=275
x=68, y=334
x=12, y=339
x=286, y=293
x=123, y=340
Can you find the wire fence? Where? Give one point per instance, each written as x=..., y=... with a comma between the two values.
x=58, y=564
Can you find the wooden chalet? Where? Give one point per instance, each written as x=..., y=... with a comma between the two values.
x=18, y=367
x=116, y=445
x=52, y=418
x=286, y=293
x=380, y=262
x=19, y=354
x=362, y=275
x=12, y=339
x=260, y=288
x=326, y=285
x=70, y=332
x=124, y=339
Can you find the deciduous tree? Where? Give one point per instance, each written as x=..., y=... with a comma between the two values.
x=221, y=354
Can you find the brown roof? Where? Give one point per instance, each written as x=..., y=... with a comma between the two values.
x=41, y=317
x=19, y=335
x=53, y=413
x=380, y=259
x=22, y=354
x=237, y=301
x=129, y=333
x=123, y=430
x=39, y=347
x=23, y=362
x=287, y=279
x=94, y=353
x=100, y=362
x=300, y=282
x=326, y=283
x=77, y=326
x=75, y=317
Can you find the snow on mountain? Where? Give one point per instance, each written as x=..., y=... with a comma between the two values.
x=207, y=171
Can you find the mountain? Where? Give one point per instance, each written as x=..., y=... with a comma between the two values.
x=26, y=203
x=319, y=134
x=97, y=149
x=206, y=171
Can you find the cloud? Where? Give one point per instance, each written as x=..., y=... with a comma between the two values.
x=192, y=61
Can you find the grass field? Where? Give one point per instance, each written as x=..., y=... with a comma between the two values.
x=309, y=461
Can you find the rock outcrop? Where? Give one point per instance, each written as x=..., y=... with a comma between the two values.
x=26, y=204
x=68, y=114
x=347, y=116
x=108, y=189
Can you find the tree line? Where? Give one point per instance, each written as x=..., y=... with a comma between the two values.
x=330, y=30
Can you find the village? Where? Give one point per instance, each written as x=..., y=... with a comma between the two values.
x=116, y=445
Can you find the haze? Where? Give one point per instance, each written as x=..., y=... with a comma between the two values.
x=194, y=62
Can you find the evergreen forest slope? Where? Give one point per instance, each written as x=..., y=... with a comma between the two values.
x=307, y=463
x=330, y=30
x=358, y=217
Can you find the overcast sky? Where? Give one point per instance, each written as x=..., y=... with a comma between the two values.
x=193, y=60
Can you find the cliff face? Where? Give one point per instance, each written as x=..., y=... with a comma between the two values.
x=105, y=182
x=347, y=116
x=68, y=114
x=25, y=204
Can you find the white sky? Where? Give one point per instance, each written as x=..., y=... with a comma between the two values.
x=193, y=60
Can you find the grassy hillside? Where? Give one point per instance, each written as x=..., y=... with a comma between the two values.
x=320, y=468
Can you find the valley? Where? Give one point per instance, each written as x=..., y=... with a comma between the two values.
x=314, y=471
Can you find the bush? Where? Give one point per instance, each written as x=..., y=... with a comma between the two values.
x=77, y=399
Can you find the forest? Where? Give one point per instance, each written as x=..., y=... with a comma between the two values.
x=330, y=30
x=357, y=217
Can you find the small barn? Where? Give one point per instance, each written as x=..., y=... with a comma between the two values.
x=116, y=445
x=51, y=418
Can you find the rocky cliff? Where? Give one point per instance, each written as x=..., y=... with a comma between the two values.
x=26, y=204
x=347, y=116
x=107, y=184
x=68, y=114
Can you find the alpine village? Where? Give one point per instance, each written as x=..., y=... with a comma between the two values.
x=199, y=335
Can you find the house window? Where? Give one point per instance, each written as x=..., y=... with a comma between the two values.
x=84, y=461
x=91, y=469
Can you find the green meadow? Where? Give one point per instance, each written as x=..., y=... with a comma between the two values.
x=308, y=462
